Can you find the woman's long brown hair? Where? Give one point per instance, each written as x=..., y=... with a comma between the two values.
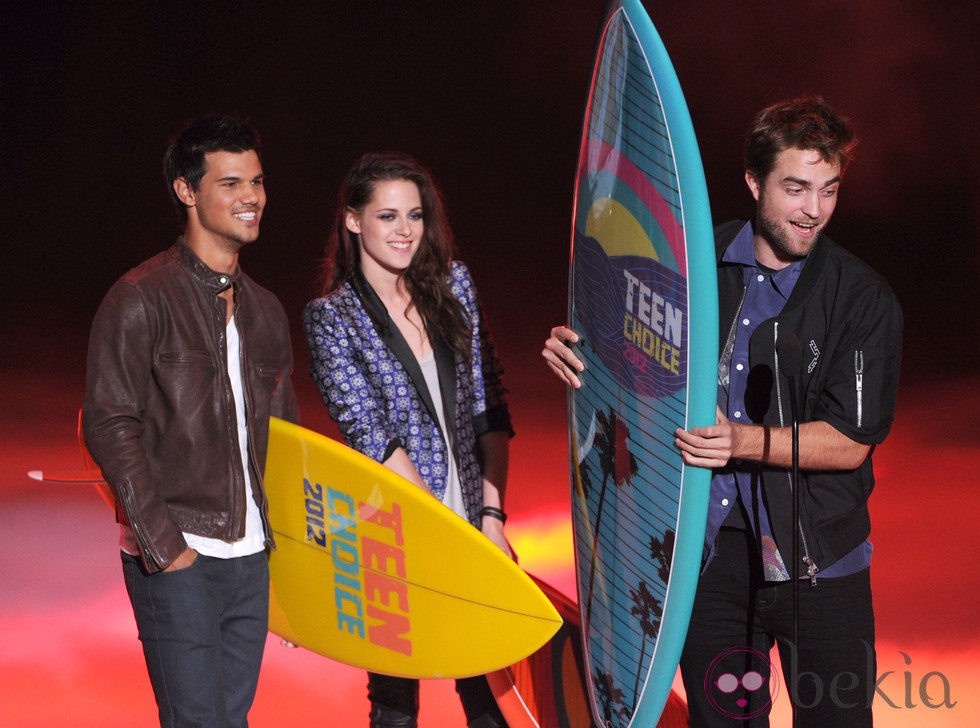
x=427, y=277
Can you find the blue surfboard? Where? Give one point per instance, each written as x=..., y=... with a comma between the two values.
x=643, y=296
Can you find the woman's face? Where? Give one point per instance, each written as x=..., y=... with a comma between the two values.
x=389, y=227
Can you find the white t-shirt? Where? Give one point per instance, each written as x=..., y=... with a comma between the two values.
x=254, y=539
x=453, y=496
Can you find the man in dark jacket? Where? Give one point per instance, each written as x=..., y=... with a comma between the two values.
x=188, y=357
x=796, y=311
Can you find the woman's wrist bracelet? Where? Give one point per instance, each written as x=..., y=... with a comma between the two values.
x=494, y=513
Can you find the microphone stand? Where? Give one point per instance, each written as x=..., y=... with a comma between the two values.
x=789, y=355
x=795, y=571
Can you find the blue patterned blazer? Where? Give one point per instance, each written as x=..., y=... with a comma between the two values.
x=375, y=391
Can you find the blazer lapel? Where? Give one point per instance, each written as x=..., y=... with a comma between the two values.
x=446, y=366
x=397, y=345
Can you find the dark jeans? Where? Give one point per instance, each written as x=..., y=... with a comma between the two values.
x=830, y=673
x=395, y=702
x=203, y=631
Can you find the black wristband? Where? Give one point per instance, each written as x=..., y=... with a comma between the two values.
x=494, y=513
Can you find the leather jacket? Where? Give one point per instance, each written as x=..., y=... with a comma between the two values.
x=159, y=413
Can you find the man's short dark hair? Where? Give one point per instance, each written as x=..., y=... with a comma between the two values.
x=217, y=133
x=803, y=123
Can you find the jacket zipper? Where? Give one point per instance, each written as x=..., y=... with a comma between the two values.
x=811, y=567
x=859, y=384
x=725, y=360
x=137, y=528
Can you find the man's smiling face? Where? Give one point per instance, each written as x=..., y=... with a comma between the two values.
x=794, y=204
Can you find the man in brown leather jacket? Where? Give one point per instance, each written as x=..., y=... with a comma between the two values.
x=188, y=357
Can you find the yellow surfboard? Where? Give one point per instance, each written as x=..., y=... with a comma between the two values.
x=374, y=572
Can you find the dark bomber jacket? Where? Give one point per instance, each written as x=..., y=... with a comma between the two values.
x=849, y=324
x=159, y=413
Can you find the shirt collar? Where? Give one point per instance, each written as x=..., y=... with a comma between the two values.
x=741, y=251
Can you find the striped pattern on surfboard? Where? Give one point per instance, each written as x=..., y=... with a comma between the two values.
x=643, y=296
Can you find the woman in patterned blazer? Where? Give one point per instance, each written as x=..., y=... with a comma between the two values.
x=403, y=360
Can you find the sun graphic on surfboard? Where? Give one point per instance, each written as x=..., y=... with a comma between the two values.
x=629, y=214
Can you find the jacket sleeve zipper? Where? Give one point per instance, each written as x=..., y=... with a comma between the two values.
x=148, y=551
x=859, y=384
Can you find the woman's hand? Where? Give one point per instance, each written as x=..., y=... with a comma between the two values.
x=401, y=463
x=493, y=528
